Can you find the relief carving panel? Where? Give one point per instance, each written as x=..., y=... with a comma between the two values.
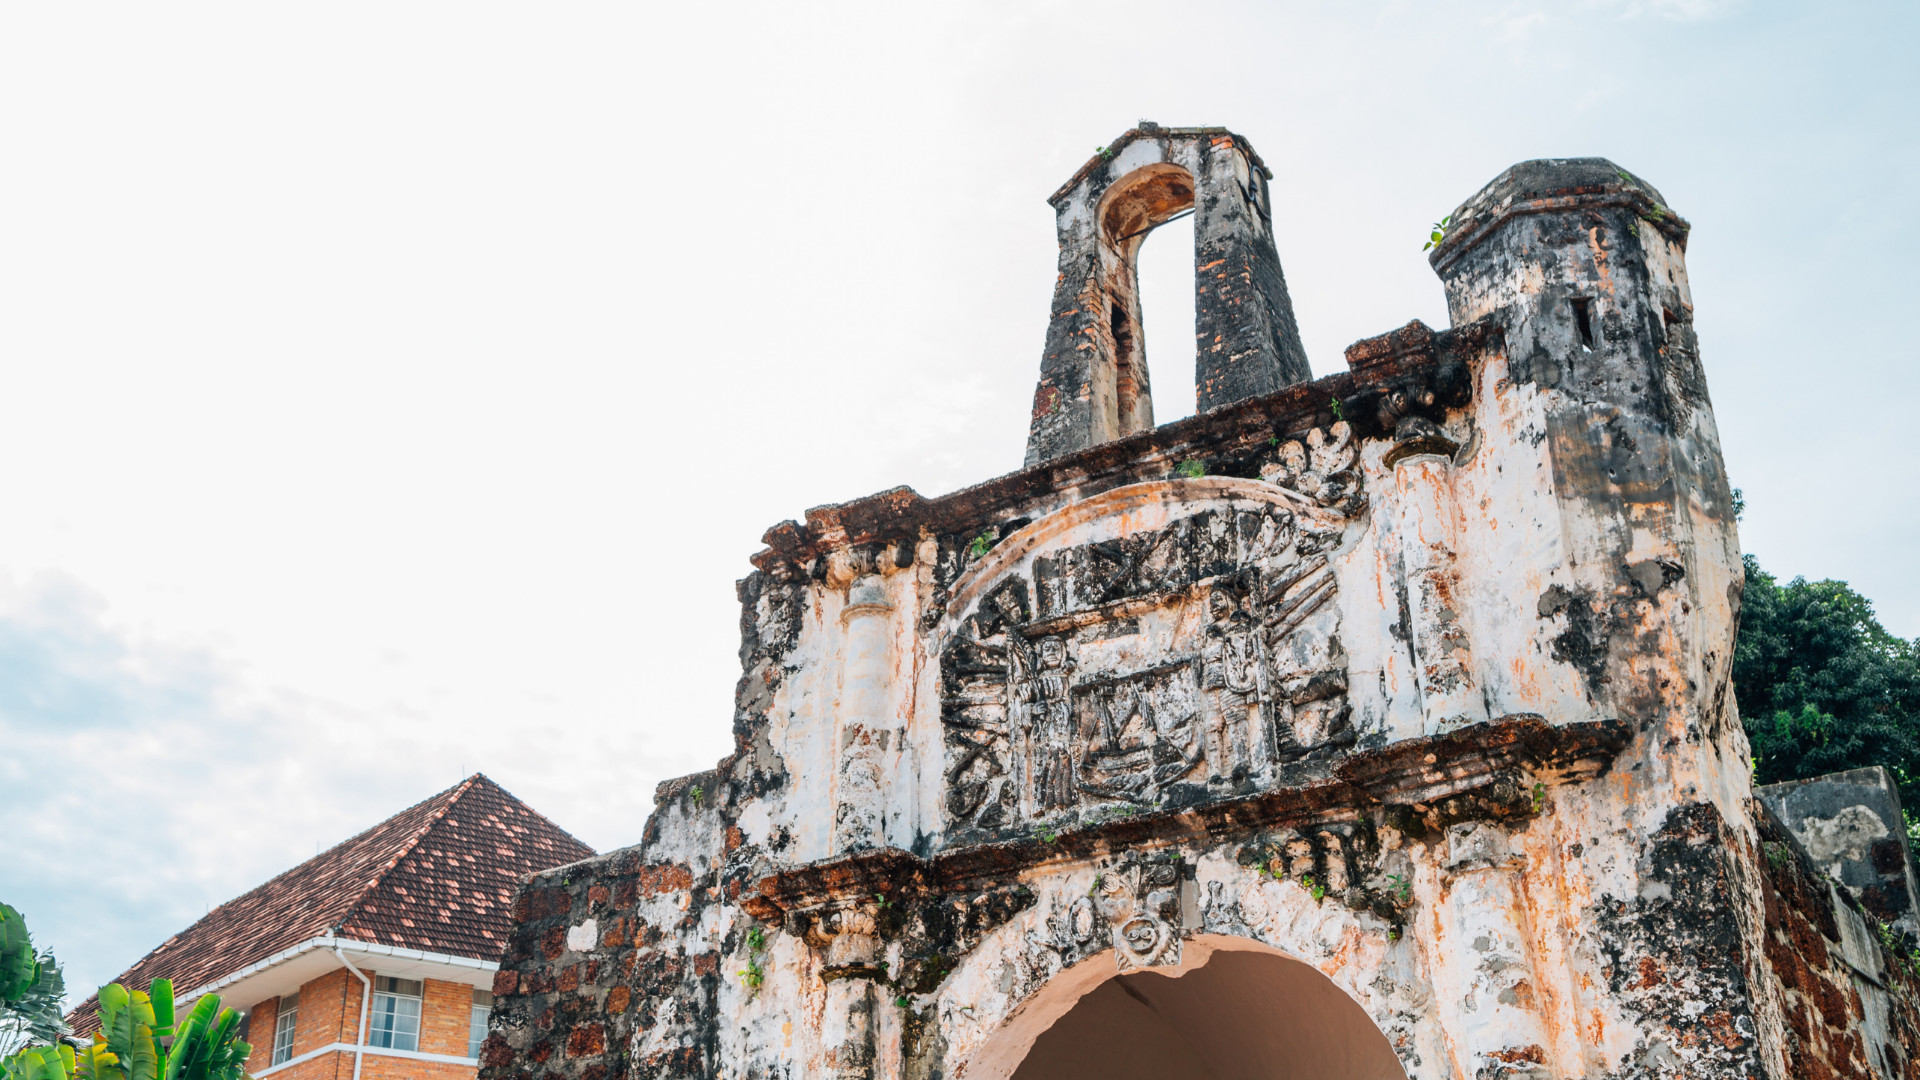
x=1144, y=659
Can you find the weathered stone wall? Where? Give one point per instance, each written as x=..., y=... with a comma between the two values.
x=1852, y=826
x=1417, y=674
x=1852, y=1005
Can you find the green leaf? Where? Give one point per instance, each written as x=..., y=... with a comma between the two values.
x=38, y=1063
x=19, y=969
x=160, y=992
x=96, y=1062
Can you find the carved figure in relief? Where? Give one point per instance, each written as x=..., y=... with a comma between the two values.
x=1234, y=675
x=1038, y=700
x=1141, y=902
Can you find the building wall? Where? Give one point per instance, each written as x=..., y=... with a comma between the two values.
x=330, y=1013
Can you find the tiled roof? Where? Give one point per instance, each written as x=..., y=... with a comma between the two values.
x=438, y=877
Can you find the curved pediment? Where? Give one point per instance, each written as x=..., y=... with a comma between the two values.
x=1162, y=643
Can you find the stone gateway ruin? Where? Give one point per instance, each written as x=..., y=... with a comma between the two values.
x=1366, y=727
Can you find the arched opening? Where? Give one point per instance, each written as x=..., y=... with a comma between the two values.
x=1233, y=1010
x=1164, y=267
x=1136, y=205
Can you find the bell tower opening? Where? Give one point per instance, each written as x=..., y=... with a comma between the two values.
x=1234, y=321
x=1131, y=208
x=1165, y=272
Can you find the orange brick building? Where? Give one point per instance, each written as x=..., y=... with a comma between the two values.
x=373, y=960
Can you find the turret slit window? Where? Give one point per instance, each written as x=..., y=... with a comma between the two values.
x=477, y=1022
x=396, y=1014
x=284, y=1022
x=1583, y=320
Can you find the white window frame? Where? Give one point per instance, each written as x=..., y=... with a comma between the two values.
x=286, y=1021
x=395, y=1022
x=477, y=1021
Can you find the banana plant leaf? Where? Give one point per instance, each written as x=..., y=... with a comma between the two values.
x=39, y=1063
x=96, y=1062
x=19, y=969
x=160, y=992
x=142, y=1037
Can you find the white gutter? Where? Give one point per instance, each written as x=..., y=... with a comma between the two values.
x=330, y=942
x=366, y=1002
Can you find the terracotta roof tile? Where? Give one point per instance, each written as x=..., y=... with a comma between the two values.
x=438, y=876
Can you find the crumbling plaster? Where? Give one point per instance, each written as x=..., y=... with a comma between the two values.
x=1417, y=675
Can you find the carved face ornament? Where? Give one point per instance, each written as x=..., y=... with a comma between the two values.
x=1142, y=904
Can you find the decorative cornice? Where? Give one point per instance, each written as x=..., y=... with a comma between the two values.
x=1412, y=772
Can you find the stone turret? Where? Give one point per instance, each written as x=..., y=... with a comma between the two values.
x=1583, y=267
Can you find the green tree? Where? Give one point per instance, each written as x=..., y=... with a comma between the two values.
x=31, y=988
x=1822, y=686
x=138, y=1038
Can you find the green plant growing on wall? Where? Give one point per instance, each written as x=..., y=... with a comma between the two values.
x=1402, y=888
x=696, y=793
x=1439, y=232
x=1314, y=888
x=1338, y=413
x=755, y=973
x=1192, y=469
x=1900, y=947
x=982, y=544
x=1539, y=797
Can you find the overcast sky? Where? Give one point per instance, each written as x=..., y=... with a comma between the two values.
x=393, y=391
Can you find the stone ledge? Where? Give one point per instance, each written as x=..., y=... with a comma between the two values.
x=1410, y=772
x=1421, y=376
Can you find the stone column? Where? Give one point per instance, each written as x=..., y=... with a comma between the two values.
x=1423, y=477
x=867, y=735
x=852, y=950
x=1497, y=1026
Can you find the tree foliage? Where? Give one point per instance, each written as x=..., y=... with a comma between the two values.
x=1822, y=686
x=138, y=1038
x=31, y=988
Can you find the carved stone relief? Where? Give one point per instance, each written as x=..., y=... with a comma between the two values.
x=1141, y=901
x=1157, y=665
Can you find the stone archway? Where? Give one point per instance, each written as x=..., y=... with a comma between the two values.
x=1233, y=1009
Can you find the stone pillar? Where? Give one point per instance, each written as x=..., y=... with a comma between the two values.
x=867, y=735
x=852, y=952
x=1496, y=1026
x=1423, y=476
x=1249, y=343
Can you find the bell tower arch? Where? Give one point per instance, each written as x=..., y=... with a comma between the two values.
x=1094, y=385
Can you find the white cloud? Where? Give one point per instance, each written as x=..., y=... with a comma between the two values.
x=1670, y=10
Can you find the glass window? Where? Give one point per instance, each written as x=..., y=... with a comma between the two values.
x=396, y=1014
x=283, y=1025
x=477, y=1022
